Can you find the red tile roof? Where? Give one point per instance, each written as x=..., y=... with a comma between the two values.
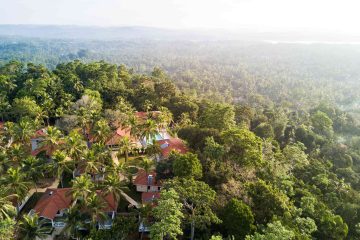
x=45, y=149
x=111, y=204
x=52, y=201
x=142, y=178
x=56, y=199
x=147, y=197
x=168, y=145
x=119, y=134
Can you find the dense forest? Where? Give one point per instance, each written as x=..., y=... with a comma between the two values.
x=294, y=75
x=272, y=153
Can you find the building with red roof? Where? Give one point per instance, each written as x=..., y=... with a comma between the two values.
x=55, y=202
x=149, y=197
x=146, y=182
x=53, y=205
x=172, y=144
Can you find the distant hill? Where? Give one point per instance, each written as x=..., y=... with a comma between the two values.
x=105, y=33
x=150, y=33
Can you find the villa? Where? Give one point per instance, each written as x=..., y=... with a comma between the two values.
x=55, y=203
x=53, y=206
x=169, y=145
x=146, y=182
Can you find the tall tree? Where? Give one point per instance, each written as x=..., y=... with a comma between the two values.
x=197, y=198
x=238, y=219
x=17, y=184
x=31, y=228
x=60, y=163
x=167, y=216
x=186, y=165
x=125, y=147
x=52, y=139
x=82, y=187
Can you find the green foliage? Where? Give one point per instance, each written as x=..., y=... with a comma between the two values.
x=167, y=216
x=7, y=229
x=197, y=198
x=322, y=124
x=238, y=219
x=186, y=165
x=217, y=115
x=273, y=231
x=244, y=147
x=267, y=201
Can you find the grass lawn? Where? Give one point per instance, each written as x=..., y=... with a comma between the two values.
x=133, y=160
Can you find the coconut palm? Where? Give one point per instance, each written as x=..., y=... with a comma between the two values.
x=153, y=150
x=32, y=168
x=16, y=153
x=31, y=228
x=148, y=130
x=91, y=164
x=23, y=131
x=6, y=207
x=101, y=131
x=102, y=153
x=75, y=146
x=125, y=147
x=60, y=163
x=164, y=118
x=147, y=165
x=52, y=139
x=16, y=183
x=112, y=184
x=82, y=187
x=95, y=207
x=74, y=222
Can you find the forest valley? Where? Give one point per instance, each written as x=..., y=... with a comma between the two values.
x=255, y=169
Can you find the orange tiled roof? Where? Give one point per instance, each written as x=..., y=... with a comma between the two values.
x=119, y=134
x=111, y=204
x=142, y=178
x=168, y=145
x=147, y=197
x=52, y=201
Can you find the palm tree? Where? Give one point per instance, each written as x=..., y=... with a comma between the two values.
x=60, y=163
x=23, y=131
x=144, y=214
x=74, y=221
x=102, y=153
x=30, y=228
x=6, y=207
x=101, y=131
x=147, y=165
x=154, y=149
x=82, y=187
x=91, y=163
x=125, y=147
x=75, y=146
x=16, y=153
x=52, y=139
x=17, y=184
x=148, y=130
x=113, y=185
x=95, y=207
x=32, y=168
x=165, y=118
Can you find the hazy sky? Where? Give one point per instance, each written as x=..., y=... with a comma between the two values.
x=332, y=15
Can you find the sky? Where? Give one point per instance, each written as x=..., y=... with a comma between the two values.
x=316, y=15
